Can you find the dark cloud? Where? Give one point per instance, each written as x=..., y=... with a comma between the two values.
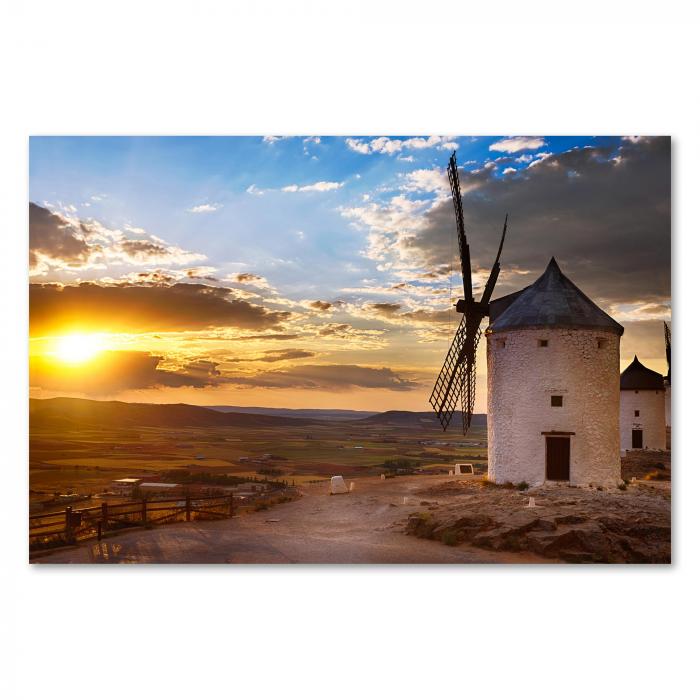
x=337, y=377
x=60, y=242
x=136, y=308
x=281, y=355
x=385, y=308
x=143, y=249
x=320, y=305
x=392, y=312
x=54, y=237
x=269, y=336
x=604, y=213
x=276, y=356
x=114, y=371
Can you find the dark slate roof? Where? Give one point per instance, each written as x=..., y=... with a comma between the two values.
x=553, y=301
x=637, y=376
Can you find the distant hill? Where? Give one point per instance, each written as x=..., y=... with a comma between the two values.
x=76, y=413
x=424, y=419
x=330, y=414
x=65, y=413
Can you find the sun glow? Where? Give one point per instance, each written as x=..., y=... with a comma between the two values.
x=78, y=348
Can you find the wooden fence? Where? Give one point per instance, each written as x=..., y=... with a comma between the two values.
x=70, y=525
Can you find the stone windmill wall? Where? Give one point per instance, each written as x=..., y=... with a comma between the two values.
x=553, y=361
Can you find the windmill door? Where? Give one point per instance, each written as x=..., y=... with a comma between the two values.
x=637, y=440
x=558, y=455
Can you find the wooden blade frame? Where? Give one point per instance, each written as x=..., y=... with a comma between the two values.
x=457, y=378
x=464, y=256
x=447, y=389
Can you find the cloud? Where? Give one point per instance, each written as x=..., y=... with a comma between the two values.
x=201, y=273
x=252, y=189
x=335, y=377
x=514, y=144
x=426, y=180
x=204, y=208
x=389, y=146
x=277, y=356
x=249, y=279
x=54, y=240
x=317, y=305
x=63, y=242
x=274, y=139
x=315, y=187
x=114, y=371
x=609, y=226
x=140, y=309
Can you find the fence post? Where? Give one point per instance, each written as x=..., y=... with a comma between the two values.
x=187, y=507
x=230, y=505
x=69, y=522
x=105, y=515
x=99, y=530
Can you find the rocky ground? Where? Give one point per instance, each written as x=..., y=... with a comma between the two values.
x=631, y=524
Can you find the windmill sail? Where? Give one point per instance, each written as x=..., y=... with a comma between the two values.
x=448, y=386
x=456, y=381
x=469, y=382
x=464, y=256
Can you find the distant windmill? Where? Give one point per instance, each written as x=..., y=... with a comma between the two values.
x=667, y=335
x=457, y=378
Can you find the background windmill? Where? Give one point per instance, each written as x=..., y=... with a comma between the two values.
x=457, y=378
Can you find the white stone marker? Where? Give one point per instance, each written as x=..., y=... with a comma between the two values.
x=405, y=500
x=338, y=485
x=352, y=485
x=382, y=477
x=531, y=503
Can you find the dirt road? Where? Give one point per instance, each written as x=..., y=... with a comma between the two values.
x=364, y=526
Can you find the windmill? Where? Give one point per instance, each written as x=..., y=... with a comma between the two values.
x=667, y=335
x=457, y=378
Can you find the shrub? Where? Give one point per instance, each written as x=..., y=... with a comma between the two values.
x=522, y=486
x=657, y=476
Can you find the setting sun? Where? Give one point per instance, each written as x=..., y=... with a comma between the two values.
x=78, y=348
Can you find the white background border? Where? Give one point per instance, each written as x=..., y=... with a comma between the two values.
x=335, y=68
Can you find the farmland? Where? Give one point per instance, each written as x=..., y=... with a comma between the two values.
x=86, y=455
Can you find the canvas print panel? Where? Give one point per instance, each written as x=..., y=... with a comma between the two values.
x=350, y=349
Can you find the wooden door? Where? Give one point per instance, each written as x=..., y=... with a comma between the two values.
x=637, y=440
x=558, y=456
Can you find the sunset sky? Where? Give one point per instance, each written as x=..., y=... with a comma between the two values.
x=320, y=271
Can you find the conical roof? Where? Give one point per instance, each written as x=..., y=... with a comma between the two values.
x=637, y=376
x=553, y=301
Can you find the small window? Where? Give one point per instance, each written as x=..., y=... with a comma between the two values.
x=601, y=343
x=543, y=343
x=557, y=400
x=500, y=343
x=636, y=414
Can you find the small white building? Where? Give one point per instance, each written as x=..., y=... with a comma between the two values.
x=642, y=408
x=124, y=487
x=553, y=361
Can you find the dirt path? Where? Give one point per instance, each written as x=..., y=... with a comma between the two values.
x=364, y=526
